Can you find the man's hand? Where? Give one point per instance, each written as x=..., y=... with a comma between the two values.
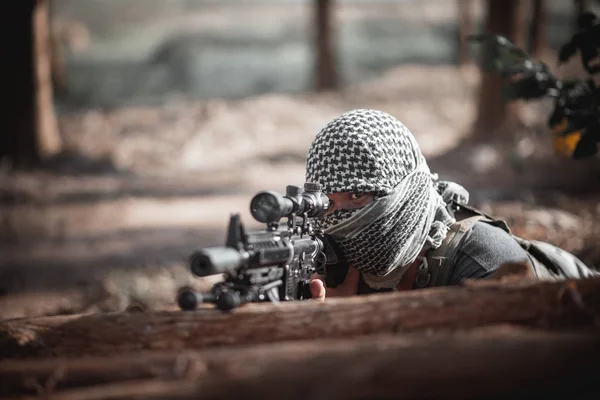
x=348, y=288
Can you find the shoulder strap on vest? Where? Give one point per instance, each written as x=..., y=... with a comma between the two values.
x=436, y=267
x=462, y=211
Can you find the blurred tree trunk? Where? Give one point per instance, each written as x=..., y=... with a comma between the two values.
x=325, y=66
x=538, y=28
x=495, y=116
x=465, y=26
x=48, y=137
x=581, y=6
x=58, y=70
x=31, y=131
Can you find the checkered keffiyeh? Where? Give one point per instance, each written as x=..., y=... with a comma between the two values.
x=371, y=151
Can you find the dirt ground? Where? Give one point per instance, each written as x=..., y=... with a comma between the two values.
x=116, y=225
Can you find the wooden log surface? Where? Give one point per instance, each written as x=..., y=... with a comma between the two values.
x=490, y=362
x=558, y=303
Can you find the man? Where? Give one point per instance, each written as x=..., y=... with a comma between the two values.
x=392, y=226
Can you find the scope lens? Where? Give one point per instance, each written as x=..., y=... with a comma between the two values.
x=265, y=207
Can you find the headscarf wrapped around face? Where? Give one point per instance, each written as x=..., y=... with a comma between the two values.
x=371, y=151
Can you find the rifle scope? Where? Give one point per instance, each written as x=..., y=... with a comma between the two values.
x=268, y=206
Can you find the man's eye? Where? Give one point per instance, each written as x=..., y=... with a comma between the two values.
x=356, y=196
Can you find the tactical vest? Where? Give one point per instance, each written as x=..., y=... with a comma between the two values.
x=547, y=262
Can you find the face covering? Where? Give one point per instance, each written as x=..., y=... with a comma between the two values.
x=371, y=151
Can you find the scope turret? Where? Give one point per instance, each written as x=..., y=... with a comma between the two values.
x=269, y=206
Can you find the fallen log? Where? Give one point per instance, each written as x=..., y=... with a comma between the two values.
x=546, y=304
x=491, y=362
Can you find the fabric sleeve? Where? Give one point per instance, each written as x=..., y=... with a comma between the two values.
x=483, y=249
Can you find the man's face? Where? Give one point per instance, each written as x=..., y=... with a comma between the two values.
x=348, y=200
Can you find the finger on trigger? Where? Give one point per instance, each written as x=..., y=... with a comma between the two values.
x=317, y=290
